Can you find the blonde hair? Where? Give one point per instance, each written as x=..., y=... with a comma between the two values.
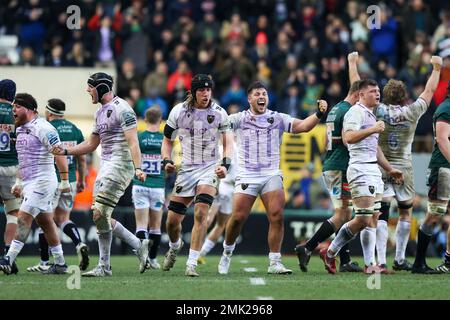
x=394, y=92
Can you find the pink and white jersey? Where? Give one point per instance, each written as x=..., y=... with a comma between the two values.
x=111, y=121
x=35, y=140
x=199, y=133
x=259, y=139
x=360, y=117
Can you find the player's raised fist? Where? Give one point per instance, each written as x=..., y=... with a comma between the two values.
x=353, y=57
x=322, y=105
x=436, y=60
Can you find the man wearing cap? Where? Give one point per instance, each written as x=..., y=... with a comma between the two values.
x=115, y=129
x=8, y=161
x=199, y=123
x=35, y=140
x=70, y=136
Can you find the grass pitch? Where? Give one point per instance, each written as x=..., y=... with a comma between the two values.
x=248, y=279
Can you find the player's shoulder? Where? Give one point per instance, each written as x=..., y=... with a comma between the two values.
x=121, y=104
x=178, y=108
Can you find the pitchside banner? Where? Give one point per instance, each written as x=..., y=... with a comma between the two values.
x=299, y=226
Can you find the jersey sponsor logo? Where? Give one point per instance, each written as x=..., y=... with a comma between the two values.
x=53, y=138
x=336, y=191
x=101, y=127
x=210, y=118
x=129, y=118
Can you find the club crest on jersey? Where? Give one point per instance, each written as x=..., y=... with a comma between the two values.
x=108, y=113
x=372, y=189
x=210, y=118
x=178, y=189
x=270, y=120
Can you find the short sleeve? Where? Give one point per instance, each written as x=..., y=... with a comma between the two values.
x=128, y=119
x=415, y=110
x=287, y=122
x=173, y=117
x=353, y=119
x=444, y=116
x=49, y=137
x=80, y=137
x=234, y=120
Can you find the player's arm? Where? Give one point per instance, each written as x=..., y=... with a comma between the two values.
x=133, y=144
x=310, y=122
x=355, y=136
x=396, y=174
x=166, y=149
x=227, y=141
x=61, y=164
x=443, y=138
x=433, y=81
x=87, y=146
x=353, y=67
x=81, y=169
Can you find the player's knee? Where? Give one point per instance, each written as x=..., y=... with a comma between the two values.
x=102, y=217
x=204, y=198
x=177, y=207
x=364, y=212
x=437, y=208
x=201, y=219
x=384, y=210
x=276, y=217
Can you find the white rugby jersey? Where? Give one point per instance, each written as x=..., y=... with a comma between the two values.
x=400, y=126
x=259, y=139
x=34, y=143
x=199, y=133
x=111, y=120
x=359, y=117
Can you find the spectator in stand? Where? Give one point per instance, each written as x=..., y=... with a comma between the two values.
x=128, y=79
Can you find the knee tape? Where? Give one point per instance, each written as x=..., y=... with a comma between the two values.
x=11, y=219
x=377, y=206
x=385, y=206
x=12, y=205
x=204, y=198
x=405, y=206
x=437, y=208
x=103, y=222
x=364, y=211
x=177, y=207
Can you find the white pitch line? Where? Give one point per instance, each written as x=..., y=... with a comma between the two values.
x=244, y=261
x=257, y=281
x=250, y=269
x=265, y=298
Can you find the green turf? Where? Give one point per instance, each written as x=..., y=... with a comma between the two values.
x=127, y=283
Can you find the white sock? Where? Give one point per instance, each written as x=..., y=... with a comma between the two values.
x=368, y=243
x=344, y=236
x=154, y=231
x=382, y=237
x=207, y=247
x=193, y=257
x=104, y=249
x=14, y=250
x=228, y=249
x=58, y=255
x=402, y=236
x=274, y=256
x=125, y=235
x=175, y=245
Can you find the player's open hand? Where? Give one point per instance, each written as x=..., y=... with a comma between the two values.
x=378, y=127
x=322, y=105
x=397, y=176
x=353, y=57
x=141, y=175
x=221, y=172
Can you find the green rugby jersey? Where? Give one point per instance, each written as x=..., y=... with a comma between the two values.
x=337, y=156
x=70, y=136
x=442, y=113
x=150, y=145
x=8, y=153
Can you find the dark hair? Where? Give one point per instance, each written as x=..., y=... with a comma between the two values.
x=354, y=87
x=366, y=83
x=394, y=92
x=153, y=114
x=256, y=85
x=7, y=89
x=56, y=104
x=26, y=100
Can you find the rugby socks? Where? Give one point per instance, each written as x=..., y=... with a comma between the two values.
x=58, y=255
x=274, y=257
x=343, y=237
x=70, y=229
x=104, y=249
x=142, y=234
x=423, y=239
x=193, y=257
x=368, y=242
x=126, y=236
x=175, y=245
x=381, y=241
x=7, y=248
x=447, y=258
x=155, y=237
x=344, y=253
x=324, y=232
x=43, y=246
x=207, y=247
x=402, y=236
x=228, y=249
x=14, y=250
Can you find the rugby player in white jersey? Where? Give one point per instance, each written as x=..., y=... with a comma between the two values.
x=35, y=140
x=360, y=132
x=200, y=123
x=396, y=140
x=259, y=134
x=115, y=130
